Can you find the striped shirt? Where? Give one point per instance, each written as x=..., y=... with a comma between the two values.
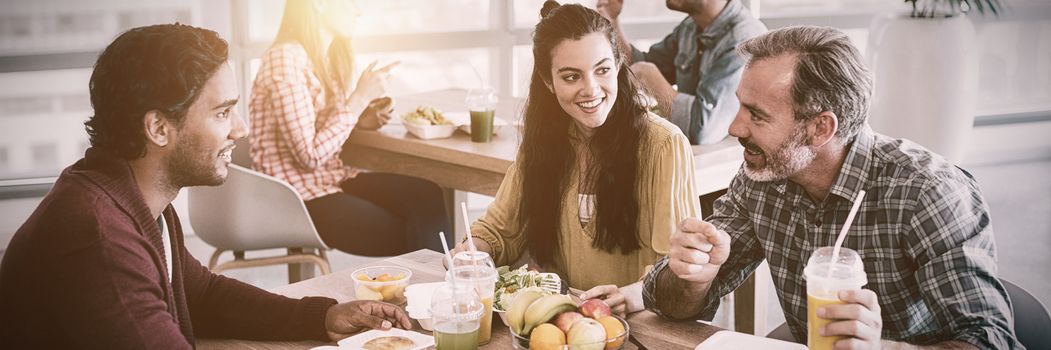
x=296, y=134
x=923, y=232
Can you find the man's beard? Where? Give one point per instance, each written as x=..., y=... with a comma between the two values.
x=685, y=6
x=789, y=159
x=189, y=166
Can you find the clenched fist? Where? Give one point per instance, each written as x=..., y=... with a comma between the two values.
x=697, y=251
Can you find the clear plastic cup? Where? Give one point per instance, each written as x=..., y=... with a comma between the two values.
x=456, y=311
x=481, y=103
x=476, y=269
x=848, y=273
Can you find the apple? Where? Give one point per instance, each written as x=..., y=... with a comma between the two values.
x=565, y=320
x=595, y=308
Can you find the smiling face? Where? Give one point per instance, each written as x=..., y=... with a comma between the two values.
x=205, y=138
x=584, y=79
x=776, y=146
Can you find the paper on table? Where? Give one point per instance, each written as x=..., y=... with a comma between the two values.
x=736, y=340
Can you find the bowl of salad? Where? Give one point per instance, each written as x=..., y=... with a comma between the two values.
x=428, y=123
x=511, y=282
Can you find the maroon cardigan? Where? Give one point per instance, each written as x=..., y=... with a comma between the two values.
x=87, y=270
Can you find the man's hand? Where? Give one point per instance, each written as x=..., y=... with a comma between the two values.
x=697, y=251
x=654, y=83
x=609, y=9
x=343, y=320
x=858, y=319
x=376, y=115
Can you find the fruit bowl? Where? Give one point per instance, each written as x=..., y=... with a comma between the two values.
x=384, y=283
x=521, y=343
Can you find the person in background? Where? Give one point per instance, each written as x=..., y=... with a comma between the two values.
x=922, y=230
x=305, y=105
x=698, y=57
x=599, y=183
x=101, y=263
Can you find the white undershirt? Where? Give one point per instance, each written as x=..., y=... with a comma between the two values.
x=586, y=203
x=167, y=241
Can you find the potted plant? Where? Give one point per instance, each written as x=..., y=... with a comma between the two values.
x=926, y=73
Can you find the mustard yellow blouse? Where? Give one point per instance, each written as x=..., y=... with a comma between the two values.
x=666, y=193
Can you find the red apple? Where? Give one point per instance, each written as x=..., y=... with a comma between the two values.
x=595, y=308
x=565, y=320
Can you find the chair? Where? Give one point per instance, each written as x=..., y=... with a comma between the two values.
x=1032, y=321
x=254, y=211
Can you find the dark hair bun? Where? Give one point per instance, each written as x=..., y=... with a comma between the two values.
x=549, y=5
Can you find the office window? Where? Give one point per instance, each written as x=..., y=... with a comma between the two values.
x=386, y=17
x=3, y=157
x=43, y=109
x=45, y=155
x=527, y=12
x=42, y=116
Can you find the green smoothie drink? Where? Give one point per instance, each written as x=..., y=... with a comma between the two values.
x=481, y=102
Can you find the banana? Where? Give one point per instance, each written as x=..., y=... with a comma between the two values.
x=544, y=309
x=516, y=313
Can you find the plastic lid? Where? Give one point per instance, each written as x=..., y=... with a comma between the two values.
x=848, y=271
x=457, y=302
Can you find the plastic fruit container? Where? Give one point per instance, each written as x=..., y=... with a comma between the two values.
x=384, y=283
x=522, y=343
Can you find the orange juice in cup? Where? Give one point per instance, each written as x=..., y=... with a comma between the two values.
x=826, y=277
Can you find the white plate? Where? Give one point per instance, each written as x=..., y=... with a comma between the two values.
x=736, y=340
x=356, y=342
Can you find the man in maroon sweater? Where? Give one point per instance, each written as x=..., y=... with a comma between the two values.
x=101, y=262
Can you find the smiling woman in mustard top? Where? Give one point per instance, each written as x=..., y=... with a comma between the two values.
x=599, y=183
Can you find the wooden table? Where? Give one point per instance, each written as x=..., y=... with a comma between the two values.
x=650, y=330
x=457, y=163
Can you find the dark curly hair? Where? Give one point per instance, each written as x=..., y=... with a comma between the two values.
x=159, y=67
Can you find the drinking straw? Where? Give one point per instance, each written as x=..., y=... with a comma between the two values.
x=467, y=226
x=481, y=82
x=448, y=257
x=843, y=232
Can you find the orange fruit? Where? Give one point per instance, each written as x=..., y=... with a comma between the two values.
x=613, y=330
x=546, y=336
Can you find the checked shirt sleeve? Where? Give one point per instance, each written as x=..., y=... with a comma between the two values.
x=731, y=216
x=951, y=240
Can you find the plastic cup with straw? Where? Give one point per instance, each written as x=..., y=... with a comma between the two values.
x=829, y=271
x=457, y=311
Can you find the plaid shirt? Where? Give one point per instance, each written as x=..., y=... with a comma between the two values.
x=922, y=231
x=295, y=135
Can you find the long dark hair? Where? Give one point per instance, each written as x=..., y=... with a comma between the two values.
x=546, y=156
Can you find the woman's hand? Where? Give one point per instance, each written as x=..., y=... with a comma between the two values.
x=373, y=82
x=623, y=300
x=463, y=247
x=611, y=295
x=376, y=115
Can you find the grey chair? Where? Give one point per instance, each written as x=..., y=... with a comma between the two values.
x=1032, y=321
x=254, y=211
